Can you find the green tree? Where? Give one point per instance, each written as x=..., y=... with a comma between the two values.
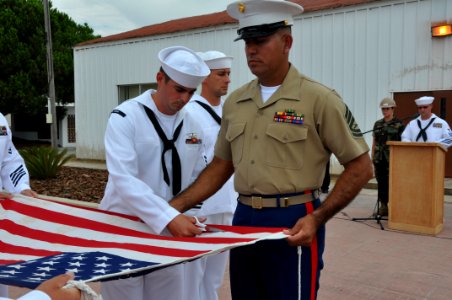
x=23, y=64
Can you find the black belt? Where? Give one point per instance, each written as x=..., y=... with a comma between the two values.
x=282, y=200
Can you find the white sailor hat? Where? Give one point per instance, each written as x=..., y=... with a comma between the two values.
x=216, y=59
x=183, y=66
x=259, y=18
x=425, y=100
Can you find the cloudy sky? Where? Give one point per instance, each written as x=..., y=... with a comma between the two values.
x=109, y=17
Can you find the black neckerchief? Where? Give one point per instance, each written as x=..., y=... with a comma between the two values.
x=422, y=132
x=168, y=145
x=210, y=111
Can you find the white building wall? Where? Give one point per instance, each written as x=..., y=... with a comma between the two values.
x=365, y=52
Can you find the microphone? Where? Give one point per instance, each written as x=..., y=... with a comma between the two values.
x=410, y=117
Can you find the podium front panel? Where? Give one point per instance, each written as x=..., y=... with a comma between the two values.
x=416, y=187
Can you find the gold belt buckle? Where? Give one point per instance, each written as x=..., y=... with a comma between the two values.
x=256, y=202
x=284, y=202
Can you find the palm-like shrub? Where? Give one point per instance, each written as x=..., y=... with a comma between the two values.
x=44, y=162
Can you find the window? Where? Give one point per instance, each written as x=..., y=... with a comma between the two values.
x=71, y=128
x=132, y=90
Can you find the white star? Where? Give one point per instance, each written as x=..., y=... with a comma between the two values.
x=99, y=271
x=78, y=257
x=103, y=258
x=57, y=257
x=128, y=264
x=4, y=276
x=125, y=270
x=78, y=264
x=18, y=267
x=40, y=274
x=103, y=265
x=48, y=269
x=72, y=270
x=12, y=272
x=34, y=279
x=50, y=263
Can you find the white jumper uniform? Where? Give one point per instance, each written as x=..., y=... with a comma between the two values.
x=32, y=295
x=220, y=207
x=13, y=173
x=136, y=186
x=436, y=131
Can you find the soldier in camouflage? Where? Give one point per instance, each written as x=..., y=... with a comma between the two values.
x=387, y=129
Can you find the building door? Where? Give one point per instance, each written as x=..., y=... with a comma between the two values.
x=442, y=107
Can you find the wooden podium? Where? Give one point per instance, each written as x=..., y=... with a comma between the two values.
x=416, y=187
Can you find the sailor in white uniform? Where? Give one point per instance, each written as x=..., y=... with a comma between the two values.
x=14, y=176
x=219, y=208
x=153, y=150
x=428, y=127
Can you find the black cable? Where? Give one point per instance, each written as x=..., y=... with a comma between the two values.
x=390, y=230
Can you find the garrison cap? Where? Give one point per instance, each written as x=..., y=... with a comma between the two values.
x=216, y=59
x=426, y=100
x=183, y=66
x=258, y=18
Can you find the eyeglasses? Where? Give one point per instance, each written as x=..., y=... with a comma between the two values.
x=422, y=107
x=386, y=108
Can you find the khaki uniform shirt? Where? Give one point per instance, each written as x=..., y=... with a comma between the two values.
x=270, y=157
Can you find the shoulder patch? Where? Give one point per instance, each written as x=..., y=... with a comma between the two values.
x=3, y=131
x=117, y=111
x=354, y=129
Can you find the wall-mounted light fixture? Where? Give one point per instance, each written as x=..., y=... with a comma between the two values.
x=442, y=30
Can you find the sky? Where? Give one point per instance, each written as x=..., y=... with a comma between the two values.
x=109, y=17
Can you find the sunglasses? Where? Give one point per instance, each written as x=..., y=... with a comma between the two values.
x=386, y=108
x=422, y=107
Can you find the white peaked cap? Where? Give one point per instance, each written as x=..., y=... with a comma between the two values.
x=183, y=66
x=216, y=59
x=259, y=12
x=426, y=100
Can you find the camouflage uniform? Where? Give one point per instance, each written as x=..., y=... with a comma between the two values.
x=382, y=133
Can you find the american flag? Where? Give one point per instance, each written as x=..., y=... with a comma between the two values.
x=40, y=239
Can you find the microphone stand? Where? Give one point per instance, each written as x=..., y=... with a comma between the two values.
x=376, y=216
x=411, y=117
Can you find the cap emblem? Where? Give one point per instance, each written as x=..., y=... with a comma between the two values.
x=241, y=7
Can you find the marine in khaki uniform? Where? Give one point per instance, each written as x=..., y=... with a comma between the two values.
x=277, y=134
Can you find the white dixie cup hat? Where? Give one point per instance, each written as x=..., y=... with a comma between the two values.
x=425, y=100
x=216, y=59
x=183, y=66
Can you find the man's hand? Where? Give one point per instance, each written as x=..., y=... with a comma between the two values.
x=303, y=232
x=54, y=288
x=29, y=193
x=5, y=195
x=183, y=226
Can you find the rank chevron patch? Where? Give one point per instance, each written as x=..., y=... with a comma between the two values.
x=356, y=132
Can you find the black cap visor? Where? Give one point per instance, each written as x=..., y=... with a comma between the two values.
x=259, y=30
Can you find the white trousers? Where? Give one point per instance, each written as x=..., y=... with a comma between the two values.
x=215, y=264
x=3, y=291
x=164, y=284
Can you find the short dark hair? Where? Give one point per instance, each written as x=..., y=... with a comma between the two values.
x=167, y=78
